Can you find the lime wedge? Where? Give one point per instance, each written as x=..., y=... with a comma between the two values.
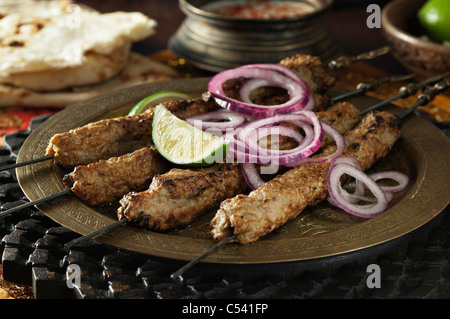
x=183, y=144
x=156, y=99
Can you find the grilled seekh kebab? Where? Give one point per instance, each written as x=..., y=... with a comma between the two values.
x=179, y=196
x=105, y=181
x=115, y=137
x=252, y=216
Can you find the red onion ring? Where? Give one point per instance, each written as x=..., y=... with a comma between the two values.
x=259, y=133
x=251, y=175
x=349, y=202
x=288, y=72
x=340, y=147
x=401, y=178
x=249, y=86
x=273, y=74
x=358, y=193
x=335, y=190
x=266, y=156
x=209, y=120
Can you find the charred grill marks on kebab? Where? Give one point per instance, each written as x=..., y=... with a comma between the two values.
x=285, y=196
x=105, y=181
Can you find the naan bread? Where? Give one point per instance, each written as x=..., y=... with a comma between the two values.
x=95, y=69
x=55, y=53
x=139, y=70
x=44, y=35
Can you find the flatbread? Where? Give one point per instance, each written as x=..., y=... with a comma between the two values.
x=55, y=53
x=95, y=69
x=139, y=70
x=45, y=35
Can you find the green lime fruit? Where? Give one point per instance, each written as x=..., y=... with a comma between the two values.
x=435, y=18
x=156, y=99
x=183, y=144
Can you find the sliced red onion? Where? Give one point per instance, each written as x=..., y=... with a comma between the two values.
x=248, y=87
x=210, y=120
x=288, y=72
x=339, y=197
x=401, y=178
x=252, y=176
x=358, y=193
x=252, y=139
x=272, y=74
x=266, y=156
x=340, y=147
x=336, y=190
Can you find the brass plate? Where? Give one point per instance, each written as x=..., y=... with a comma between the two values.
x=422, y=152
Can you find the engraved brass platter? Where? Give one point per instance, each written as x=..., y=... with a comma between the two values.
x=319, y=232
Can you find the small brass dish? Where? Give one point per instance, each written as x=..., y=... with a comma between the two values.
x=216, y=42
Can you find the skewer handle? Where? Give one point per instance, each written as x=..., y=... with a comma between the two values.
x=96, y=233
x=428, y=95
x=407, y=91
x=372, y=85
x=343, y=62
x=36, y=202
x=33, y=161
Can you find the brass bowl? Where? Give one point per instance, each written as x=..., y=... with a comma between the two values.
x=404, y=34
x=216, y=42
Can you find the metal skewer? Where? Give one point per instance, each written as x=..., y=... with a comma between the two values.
x=33, y=161
x=343, y=61
x=36, y=202
x=428, y=95
x=407, y=91
x=178, y=273
x=371, y=85
x=96, y=233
